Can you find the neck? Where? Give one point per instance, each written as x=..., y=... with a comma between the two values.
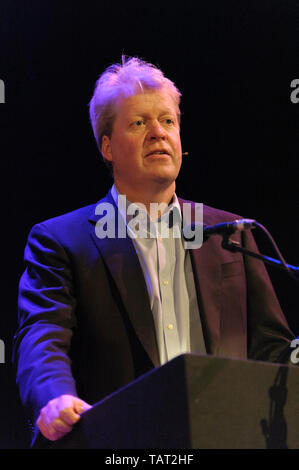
x=148, y=195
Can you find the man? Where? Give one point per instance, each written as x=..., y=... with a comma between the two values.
x=97, y=312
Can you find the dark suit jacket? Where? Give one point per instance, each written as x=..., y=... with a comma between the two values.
x=86, y=327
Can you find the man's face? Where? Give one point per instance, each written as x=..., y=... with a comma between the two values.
x=145, y=145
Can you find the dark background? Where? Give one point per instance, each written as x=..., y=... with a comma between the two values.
x=233, y=61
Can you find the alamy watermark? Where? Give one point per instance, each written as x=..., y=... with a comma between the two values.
x=294, y=96
x=2, y=91
x=157, y=223
x=295, y=353
x=2, y=352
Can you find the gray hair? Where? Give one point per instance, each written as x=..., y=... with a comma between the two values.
x=129, y=78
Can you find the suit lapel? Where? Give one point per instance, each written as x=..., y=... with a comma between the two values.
x=122, y=261
x=207, y=276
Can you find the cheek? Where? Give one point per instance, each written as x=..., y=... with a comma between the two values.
x=133, y=146
x=119, y=146
x=175, y=136
x=177, y=143
x=126, y=150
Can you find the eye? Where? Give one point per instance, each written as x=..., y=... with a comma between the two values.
x=138, y=123
x=169, y=121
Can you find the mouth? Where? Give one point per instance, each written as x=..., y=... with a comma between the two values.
x=158, y=153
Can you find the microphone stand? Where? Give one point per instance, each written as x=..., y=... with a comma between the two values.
x=233, y=246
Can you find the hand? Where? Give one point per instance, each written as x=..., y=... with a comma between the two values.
x=57, y=418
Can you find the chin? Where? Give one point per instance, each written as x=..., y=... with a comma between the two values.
x=164, y=177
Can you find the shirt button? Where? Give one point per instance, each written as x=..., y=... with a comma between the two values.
x=170, y=326
x=165, y=283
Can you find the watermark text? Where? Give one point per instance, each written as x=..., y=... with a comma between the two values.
x=295, y=353
x=295, y=93
x=2, y=91
x=2, y=352
x=135, y=221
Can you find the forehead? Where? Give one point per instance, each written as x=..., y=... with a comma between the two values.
x=149, y=102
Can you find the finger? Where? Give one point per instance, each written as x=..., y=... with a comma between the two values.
x=69, y=416
x=55, y=430
x=48, y=431
x=53, y=435
x=59, y=415
x=41, y=426
x=80, y=406
x=61, y=426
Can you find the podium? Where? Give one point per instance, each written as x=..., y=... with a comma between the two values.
x=196, y=402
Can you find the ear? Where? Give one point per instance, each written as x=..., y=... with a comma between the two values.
x=106, y=148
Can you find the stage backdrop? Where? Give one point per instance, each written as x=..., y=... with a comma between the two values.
x=234, y=63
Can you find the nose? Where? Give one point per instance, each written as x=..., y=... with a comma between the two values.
x=156, y=131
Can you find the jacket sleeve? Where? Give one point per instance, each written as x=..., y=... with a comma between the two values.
x=46, y=323
x=269, y=335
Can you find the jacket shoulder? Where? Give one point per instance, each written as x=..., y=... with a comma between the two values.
x=69, y=229
x=68, y=220
x=212, y=215
x=215, y=216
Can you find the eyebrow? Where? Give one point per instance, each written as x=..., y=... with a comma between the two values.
x=162, y=113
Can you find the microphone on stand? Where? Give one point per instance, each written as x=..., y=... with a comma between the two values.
x=224, y=228
x=228, y=228
x=202, y=232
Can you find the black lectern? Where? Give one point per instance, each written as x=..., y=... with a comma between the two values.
x=197, y=402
